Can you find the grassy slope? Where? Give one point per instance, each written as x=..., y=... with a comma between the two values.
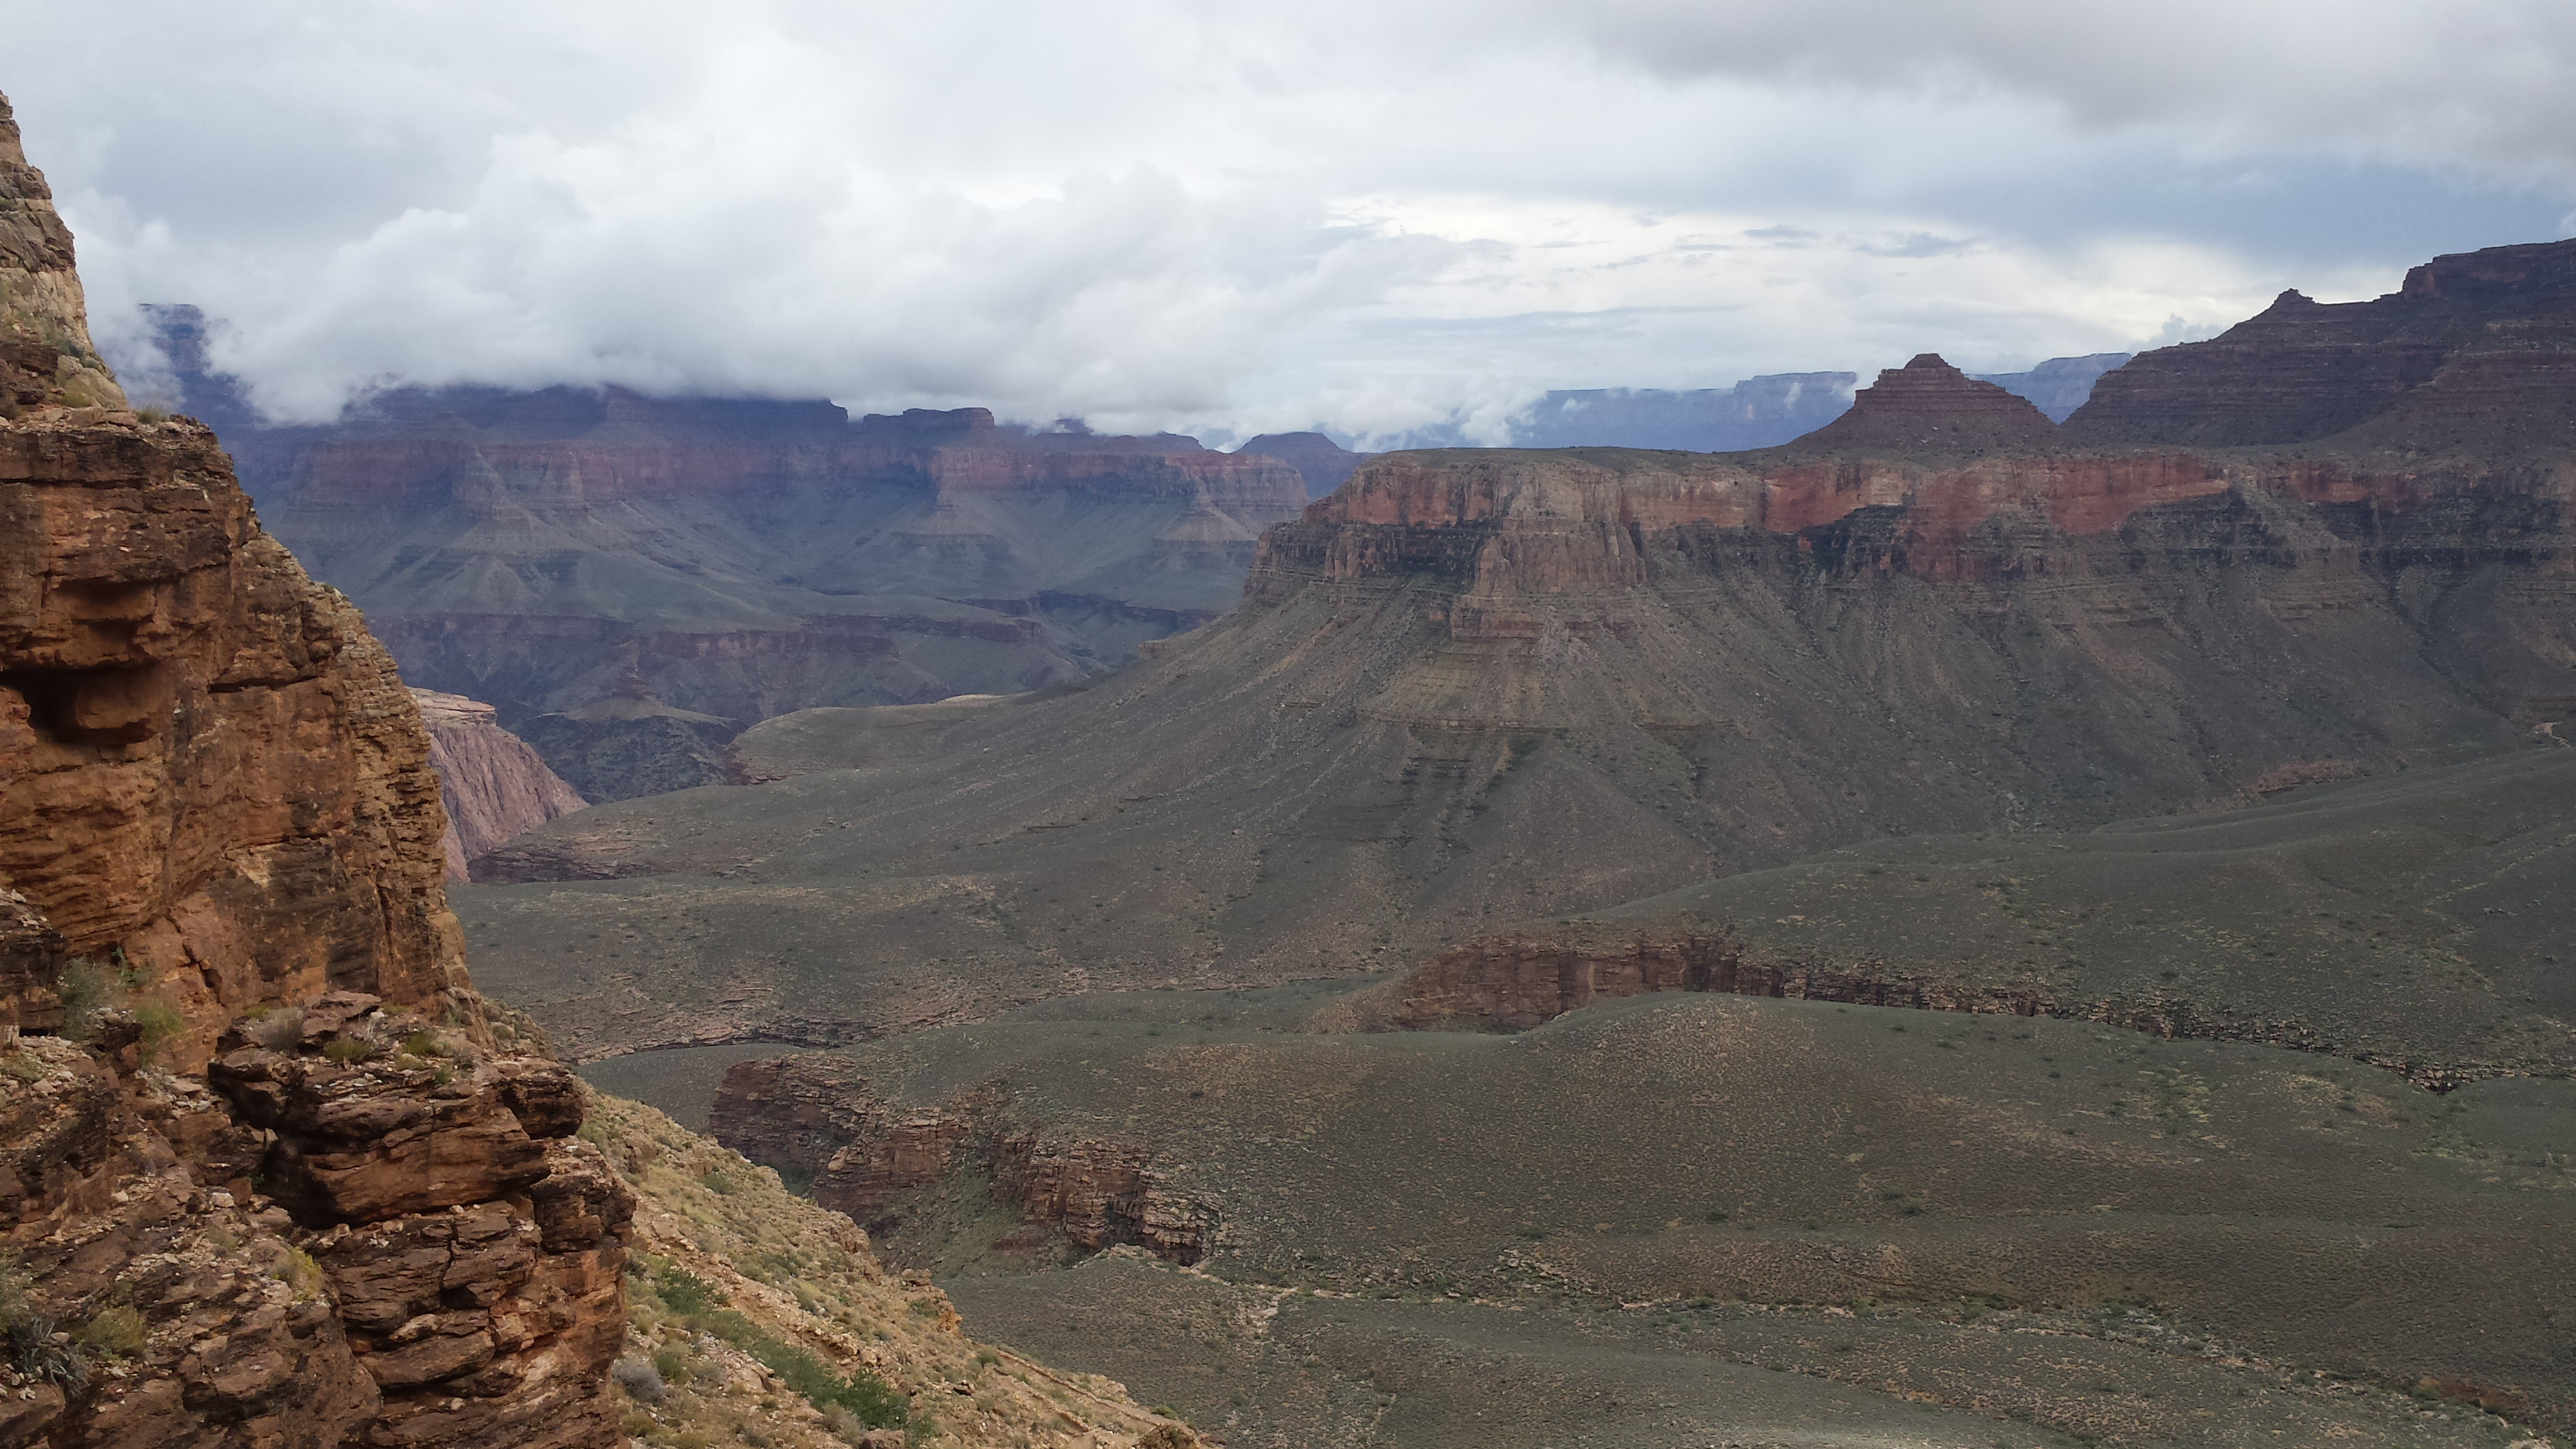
x=1896, y=1165
x=804, y=1277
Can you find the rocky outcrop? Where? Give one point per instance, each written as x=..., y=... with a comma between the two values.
x=209, y=772
x=1928, y=406
x=632, y=744
x=1517, y=980
x=216, y=803
x=46, y=356
x=448, y=1272
x=469, y=1245
x=814, y=1114
x=493, y=786
x=2489, y=326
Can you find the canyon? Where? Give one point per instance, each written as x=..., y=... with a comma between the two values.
x=272, y=1171
x=1474, y=687
x=648, y=576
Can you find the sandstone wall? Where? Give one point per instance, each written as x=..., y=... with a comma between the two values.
x=219, y=835
x=209, y=772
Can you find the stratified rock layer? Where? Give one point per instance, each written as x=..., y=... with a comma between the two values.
x=1929, y=406
x=45, y=351
x=1477, y=686
x=2497, y=324
x=735, y=559
x=493, y=786
x=216, y=803
x=814, y=1114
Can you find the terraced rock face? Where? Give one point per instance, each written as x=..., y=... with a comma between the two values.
x=1482, y=686
x=734, y=559
x=2470, y=341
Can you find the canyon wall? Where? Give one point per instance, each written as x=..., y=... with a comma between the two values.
x=493, y=786
x=814, y=1114
x=731, y=559
x=219, y=866
x=1477, y=686
x=2304, y=370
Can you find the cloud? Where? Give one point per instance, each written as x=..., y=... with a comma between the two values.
x=1169, y=213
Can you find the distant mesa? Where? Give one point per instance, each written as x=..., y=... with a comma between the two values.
x=1319, y=460
x=1929, y=406
x=1758, y=412
x=723, y=560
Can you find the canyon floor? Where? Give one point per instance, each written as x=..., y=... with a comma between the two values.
x=1693, y=1218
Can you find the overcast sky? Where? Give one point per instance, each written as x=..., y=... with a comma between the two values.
x=1226, y=218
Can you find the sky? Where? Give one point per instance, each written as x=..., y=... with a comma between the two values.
x=1229, y=218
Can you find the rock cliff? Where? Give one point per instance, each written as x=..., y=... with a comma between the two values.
x=1477, y=686
x=208, y=769
x=553, y=552
x=1081, y=1189
x=1929, y=406
x=219, y=866
x=2479, y=337
x=493, y=786
x=46, y=356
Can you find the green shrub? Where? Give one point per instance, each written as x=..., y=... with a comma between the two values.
x=296, y=1269
x=160, y=1018
x=684, y=1292
x=84, y=989
x=118, y=1331
x=863, y=1394
x=279, y=1030
x=349, y=1049
x=17, y=1293
x=424, y=1043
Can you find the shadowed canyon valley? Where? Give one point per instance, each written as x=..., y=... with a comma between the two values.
x=2019, y=911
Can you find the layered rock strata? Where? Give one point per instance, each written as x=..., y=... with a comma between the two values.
x=216, y=805
x=439, y=1263
x=46, y=356
x=2498, y=323
x=736, y=559
x=815, y=1115
x=209, y=773
x=1929, y=406
x=493, y=786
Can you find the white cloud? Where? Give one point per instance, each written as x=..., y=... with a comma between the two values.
x=1177, y=213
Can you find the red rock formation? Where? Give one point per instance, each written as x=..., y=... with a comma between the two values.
x=213, y=785
x=1518, y=981
x=813, y=1113
x=472, y=1247
x=1928, y=406
x=493, y=785
x=45, y=353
